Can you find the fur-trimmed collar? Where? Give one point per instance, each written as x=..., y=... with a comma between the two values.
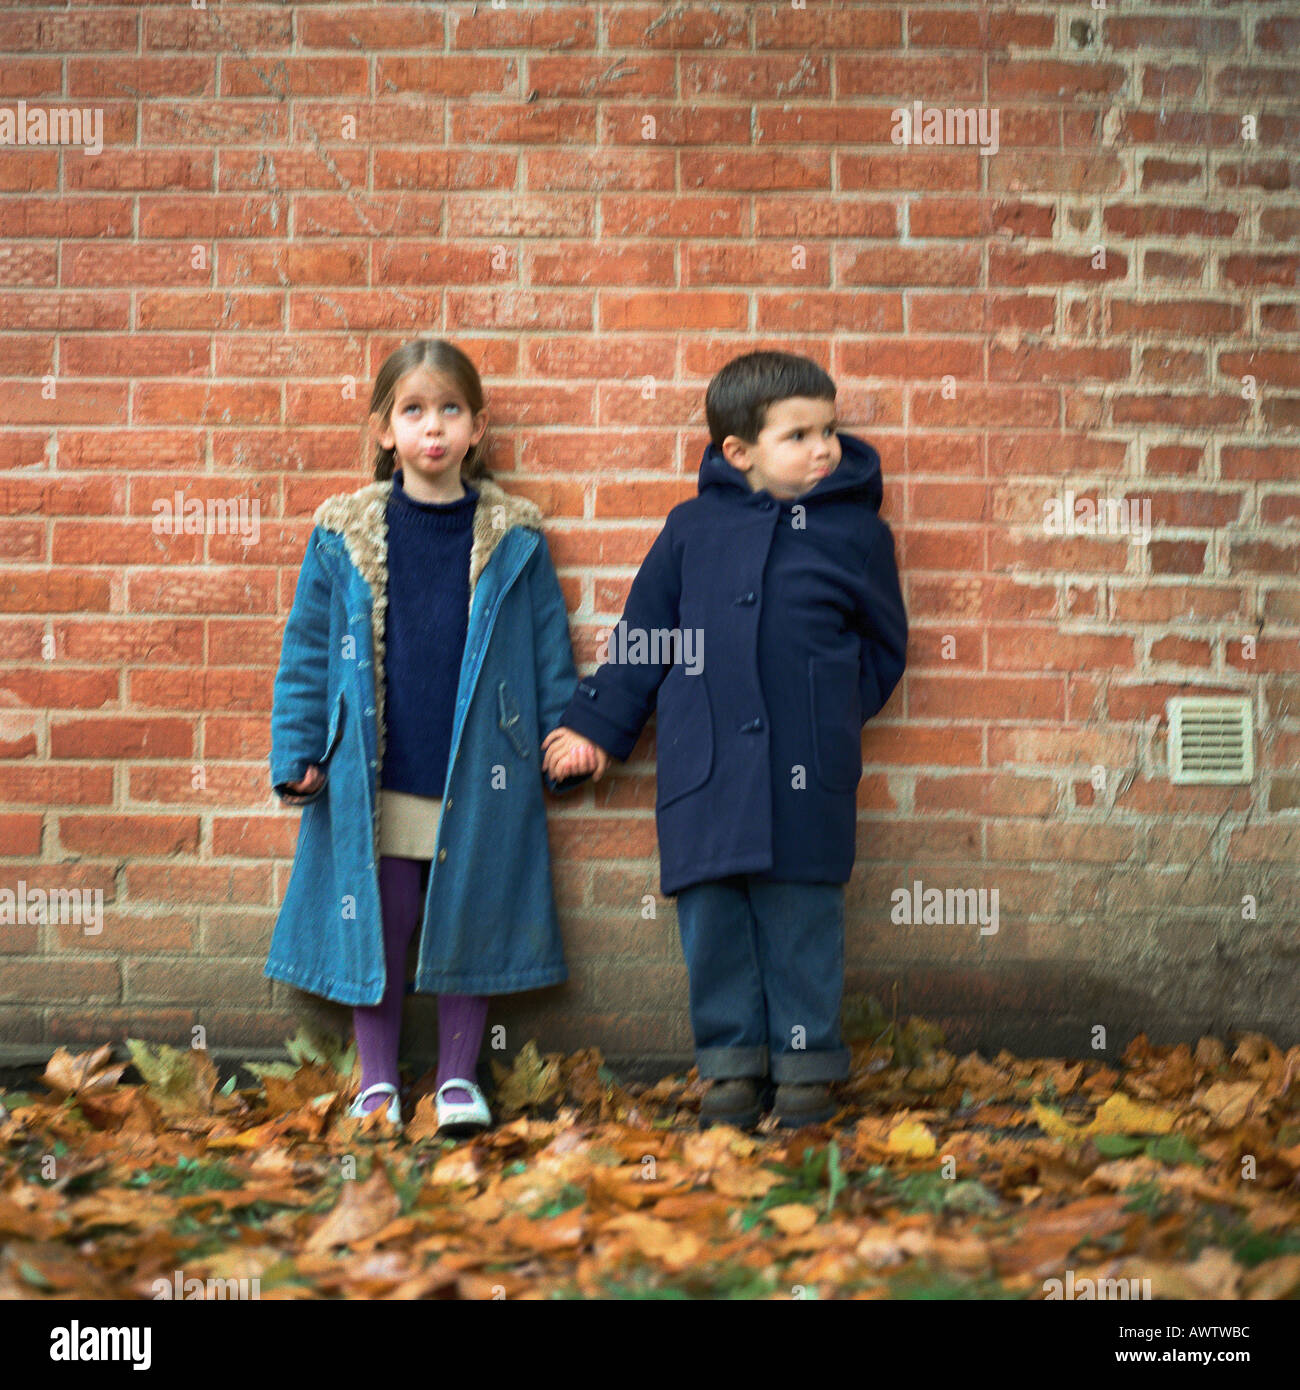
x=361, y=518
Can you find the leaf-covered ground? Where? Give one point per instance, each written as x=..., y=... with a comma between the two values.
x=941, y=1177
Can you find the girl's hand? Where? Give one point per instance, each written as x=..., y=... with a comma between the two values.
x=567, y=754
x=310, y=782
x=555, y=747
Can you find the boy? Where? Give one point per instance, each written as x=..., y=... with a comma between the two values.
x=777, y=593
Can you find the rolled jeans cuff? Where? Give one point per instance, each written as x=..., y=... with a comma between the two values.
x=730, y=1063
x=808, y=1067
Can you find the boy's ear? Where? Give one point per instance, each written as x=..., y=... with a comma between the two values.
x=736, y=451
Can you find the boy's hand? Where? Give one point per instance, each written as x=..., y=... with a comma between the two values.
x=566, y=754
x=305, y=786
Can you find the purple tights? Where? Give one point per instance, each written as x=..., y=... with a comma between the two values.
x=460, y=1016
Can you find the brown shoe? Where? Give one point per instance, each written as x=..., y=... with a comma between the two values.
x=731, y=1102
x=796, y=1105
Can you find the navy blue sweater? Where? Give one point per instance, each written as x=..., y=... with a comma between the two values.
x=428, y=619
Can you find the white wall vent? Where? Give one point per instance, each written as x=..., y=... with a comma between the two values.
x=1210, y=739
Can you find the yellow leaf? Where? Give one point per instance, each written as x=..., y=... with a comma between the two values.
x=910, y=1138
x=1120, y=1114
x=1053, y=1123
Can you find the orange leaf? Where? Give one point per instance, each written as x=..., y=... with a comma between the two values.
x=362, y=1209
x=793, y=1219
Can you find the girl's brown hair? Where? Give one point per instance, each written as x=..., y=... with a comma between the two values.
x=445, y=359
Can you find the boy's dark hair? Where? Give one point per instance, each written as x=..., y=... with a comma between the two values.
x=737, y=398
x=447, y=360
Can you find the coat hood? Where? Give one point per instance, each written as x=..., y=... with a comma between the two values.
x=858, y=472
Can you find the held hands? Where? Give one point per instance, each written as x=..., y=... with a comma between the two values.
x=566, y=754
x=305, y=786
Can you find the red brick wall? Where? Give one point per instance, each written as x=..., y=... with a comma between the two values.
x=180, y=312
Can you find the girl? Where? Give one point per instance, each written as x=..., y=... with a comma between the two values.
x=426, y=655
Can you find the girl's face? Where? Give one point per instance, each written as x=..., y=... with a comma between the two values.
x=432, y=429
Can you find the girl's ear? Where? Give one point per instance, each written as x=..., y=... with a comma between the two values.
x=380, y=432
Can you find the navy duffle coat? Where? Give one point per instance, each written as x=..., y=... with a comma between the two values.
x=800, y=615
x=489, y=923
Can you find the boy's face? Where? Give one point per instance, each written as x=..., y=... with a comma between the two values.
x=795, y=449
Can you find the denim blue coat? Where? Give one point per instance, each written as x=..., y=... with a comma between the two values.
x=489, y=924
x=799, y=636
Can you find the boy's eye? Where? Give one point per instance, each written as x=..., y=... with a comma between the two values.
x=453, y=406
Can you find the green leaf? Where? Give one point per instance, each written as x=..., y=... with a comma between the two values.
x=1118, y=1145
x=1174, y=1148
x=31, y=1275
x=837, y=1179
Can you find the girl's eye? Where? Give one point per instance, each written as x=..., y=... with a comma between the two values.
x=453, y=406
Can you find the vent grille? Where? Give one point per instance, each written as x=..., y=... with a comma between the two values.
x=1210, y=739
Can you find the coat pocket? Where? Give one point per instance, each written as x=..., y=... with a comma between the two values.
x=335, y=730
x=836, y=719
x=683, y=737
x=510, y=720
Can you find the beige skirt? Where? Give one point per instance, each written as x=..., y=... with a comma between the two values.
x=408, y=824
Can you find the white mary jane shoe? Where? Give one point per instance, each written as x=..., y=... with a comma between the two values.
x=358, y=1110
x=460, y=1116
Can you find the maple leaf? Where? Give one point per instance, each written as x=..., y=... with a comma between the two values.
x=530, y=1082
x=69, y=1074
x=362, y=1209
x=179, y=1079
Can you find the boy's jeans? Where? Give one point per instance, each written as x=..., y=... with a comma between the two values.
x=766, y=959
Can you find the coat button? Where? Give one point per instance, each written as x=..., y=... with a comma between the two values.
x=751, y=726
x=442, y=854
x=448, y=807
x=747, y=598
